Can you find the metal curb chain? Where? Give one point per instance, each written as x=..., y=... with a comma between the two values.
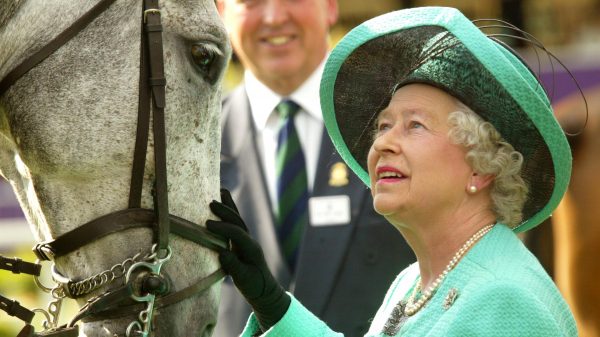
x=94, y=282
x=65, y=288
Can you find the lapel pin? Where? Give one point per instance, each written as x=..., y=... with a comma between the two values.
x=338, y=176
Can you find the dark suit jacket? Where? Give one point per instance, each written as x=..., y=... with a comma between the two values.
x=343, y=270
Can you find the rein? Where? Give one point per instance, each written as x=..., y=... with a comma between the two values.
x=145, y=289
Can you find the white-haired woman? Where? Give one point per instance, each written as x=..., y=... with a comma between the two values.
x=457, y=141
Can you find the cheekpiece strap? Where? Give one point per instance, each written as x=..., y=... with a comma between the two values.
x=17, y=266
x=14, y=308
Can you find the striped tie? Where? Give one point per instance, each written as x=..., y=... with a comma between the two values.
x=292, y=187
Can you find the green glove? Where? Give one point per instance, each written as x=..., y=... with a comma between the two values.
x=246, y=264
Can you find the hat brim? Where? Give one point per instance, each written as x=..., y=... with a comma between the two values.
x=368, y=64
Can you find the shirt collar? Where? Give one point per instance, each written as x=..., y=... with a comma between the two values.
x=263, y=100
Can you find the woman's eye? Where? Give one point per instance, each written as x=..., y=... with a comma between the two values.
x=383, y=127
x=415, y=125
x=379, y=129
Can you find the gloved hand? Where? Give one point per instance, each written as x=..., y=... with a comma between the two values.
x=246, y=264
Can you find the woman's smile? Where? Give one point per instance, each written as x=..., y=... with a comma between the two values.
x=388, y=174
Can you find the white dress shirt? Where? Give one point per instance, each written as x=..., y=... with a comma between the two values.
x=308, y=122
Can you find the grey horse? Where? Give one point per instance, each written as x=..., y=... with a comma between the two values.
x=67, y=133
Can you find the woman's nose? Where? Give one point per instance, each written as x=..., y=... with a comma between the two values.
x=387, y=142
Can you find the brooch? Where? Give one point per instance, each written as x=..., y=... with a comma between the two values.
x=450, y=298
x=396, y=320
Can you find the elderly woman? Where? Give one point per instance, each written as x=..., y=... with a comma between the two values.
x=462, y=152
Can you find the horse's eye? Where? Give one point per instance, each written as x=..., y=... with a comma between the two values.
x=205, y=56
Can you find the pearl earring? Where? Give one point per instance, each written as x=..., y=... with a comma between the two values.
x=473, y=189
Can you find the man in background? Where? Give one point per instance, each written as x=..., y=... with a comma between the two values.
x=317, y=227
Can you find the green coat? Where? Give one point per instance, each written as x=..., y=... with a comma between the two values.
x=502, y=290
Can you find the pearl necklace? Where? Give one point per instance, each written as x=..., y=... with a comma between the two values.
x=413, y=307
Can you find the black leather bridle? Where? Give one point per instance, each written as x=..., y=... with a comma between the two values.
x=121, y=301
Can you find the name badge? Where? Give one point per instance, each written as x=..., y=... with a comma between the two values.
x=329, y=210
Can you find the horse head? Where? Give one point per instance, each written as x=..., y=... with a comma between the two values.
x=68, y=130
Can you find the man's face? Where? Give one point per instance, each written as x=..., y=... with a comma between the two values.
x=280, y=41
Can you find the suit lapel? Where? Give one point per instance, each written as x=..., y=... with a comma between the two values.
x=324, y=247
x=241, y=173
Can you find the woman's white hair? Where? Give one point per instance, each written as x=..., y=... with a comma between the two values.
x=489, y=153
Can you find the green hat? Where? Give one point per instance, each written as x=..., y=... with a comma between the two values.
x=441, y=47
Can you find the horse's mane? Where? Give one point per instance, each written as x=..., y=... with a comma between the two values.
x=9, y=8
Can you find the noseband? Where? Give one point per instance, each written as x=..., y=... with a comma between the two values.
x=144, y=289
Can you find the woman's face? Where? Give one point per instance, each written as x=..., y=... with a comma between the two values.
x=415, y=169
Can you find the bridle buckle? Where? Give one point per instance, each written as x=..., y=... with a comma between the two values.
x=150, y=11
x=43, y=252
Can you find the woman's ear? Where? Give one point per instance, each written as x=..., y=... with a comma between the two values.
x=479, y=181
